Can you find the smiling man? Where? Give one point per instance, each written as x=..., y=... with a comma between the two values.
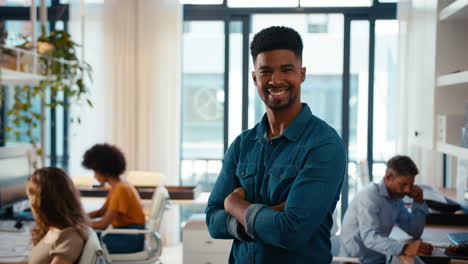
x=378, y=208
x=280, y=180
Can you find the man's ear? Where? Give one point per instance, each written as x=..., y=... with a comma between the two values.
x=254, y=77
x=303, y=74
x=388, y=175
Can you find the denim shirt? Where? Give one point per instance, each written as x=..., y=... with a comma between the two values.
x=369, y=221
x=304, y=166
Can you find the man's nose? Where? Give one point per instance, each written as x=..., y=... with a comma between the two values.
x=276, y=79
x=407, y=189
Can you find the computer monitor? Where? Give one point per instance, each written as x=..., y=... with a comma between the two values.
x=15, y=168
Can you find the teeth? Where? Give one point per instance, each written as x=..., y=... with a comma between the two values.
x=278, y=93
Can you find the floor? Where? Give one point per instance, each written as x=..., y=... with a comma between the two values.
x=172, y=255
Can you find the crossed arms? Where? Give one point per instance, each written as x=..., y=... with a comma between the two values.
x=312, y=195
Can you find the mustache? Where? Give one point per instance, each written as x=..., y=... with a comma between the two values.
x=269, y=86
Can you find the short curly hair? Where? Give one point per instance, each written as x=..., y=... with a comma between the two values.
x=105, y=159
x=276, y=37
x=402, y=166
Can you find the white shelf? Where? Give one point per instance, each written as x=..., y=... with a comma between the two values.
x=453, y=150
x=453, y=79
x=456, y=10
x=19, y=78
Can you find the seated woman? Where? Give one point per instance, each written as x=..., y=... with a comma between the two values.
x=123, y=208
x=61, y=228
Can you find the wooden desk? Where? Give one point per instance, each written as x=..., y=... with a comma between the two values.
x=436, y=235
x=145, y=192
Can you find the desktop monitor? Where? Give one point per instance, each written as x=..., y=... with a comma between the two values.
x=15, y=168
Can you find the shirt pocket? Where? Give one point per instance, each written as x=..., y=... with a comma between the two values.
x=246, y=175
x=280, y=182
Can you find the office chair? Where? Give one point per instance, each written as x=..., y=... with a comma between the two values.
x=144, y=178
x=364, y=177
x=153, y=245
x=335, y=243
x=92, y=252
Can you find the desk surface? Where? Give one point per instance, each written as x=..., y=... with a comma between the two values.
x=436, y=235
x=15, y=246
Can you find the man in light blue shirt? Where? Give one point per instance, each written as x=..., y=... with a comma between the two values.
x=375, y=210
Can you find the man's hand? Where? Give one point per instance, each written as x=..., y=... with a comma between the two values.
x=278, y=207
x=236, y=205
x=417, y=194
x=238, y=194
x=417, y=248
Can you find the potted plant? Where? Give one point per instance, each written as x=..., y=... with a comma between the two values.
x=65, y=75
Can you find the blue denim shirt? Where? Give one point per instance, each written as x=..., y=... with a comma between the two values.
x=369, y=221
x=304, y=166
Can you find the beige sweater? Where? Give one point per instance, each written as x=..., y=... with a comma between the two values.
x=66, y=244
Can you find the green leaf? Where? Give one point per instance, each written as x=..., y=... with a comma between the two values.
x=39, y=151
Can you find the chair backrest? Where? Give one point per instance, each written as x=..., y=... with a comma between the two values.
x=144, y=178
x=160, y=203
x=84, y=180
x=92, y=252
x=364, y=178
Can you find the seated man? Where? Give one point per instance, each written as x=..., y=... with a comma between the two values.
x=376, y=209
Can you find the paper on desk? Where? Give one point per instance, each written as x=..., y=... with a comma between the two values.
x=431, y=193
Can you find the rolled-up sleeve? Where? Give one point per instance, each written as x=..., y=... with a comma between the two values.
x=315, y=190
x=217, y=219
x=249, y=219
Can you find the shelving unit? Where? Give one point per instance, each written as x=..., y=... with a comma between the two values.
x=453, y=150
x=452, y=87
x=436, y=61
x=434, y=80
x=31, y=76
x=453, y=79
x=457, y=10
x=19, y=78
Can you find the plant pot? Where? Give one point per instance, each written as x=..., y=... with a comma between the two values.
x=8, y=61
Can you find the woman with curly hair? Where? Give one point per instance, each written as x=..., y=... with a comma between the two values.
x=123, y=207
x=61, y=228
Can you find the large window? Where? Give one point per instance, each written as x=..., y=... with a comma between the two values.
x=358, y=105
x=385, y=95
x=202, y=102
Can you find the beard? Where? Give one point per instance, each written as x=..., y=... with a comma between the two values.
x=279, y=105
x=400, y=195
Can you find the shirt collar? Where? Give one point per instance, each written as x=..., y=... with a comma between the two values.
x=294, y=130
x=383, y=189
